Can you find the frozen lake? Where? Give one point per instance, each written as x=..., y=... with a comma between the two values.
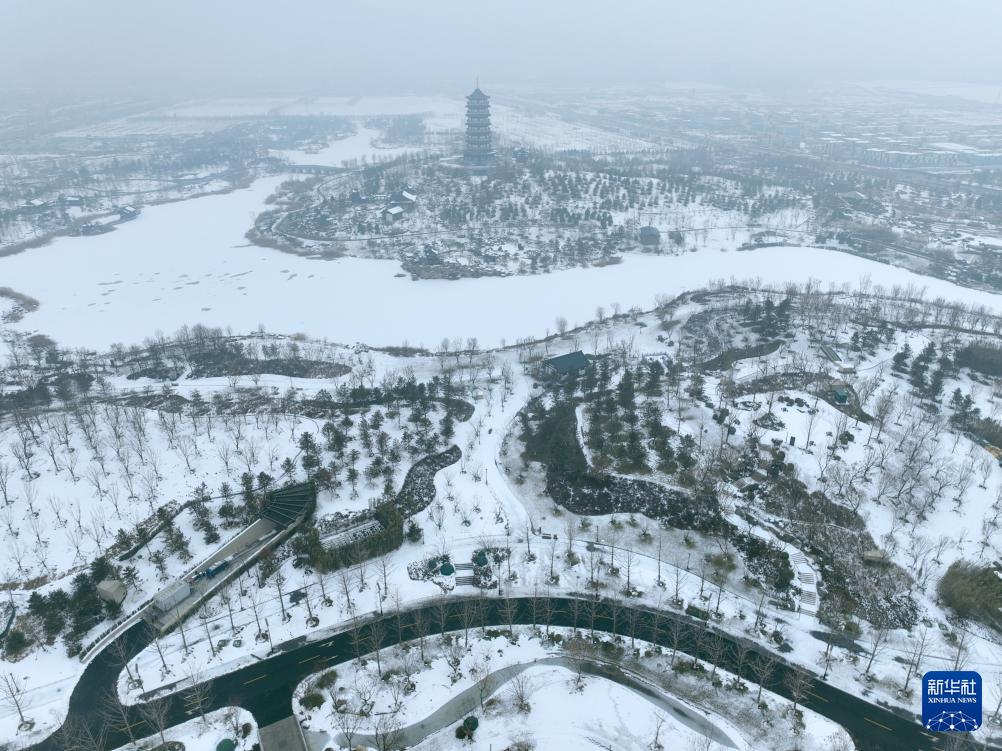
x=188, y=262
x=356, y=146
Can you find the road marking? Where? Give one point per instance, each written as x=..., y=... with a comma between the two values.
x=308, y=659
x=255, y=680
x=874, y=722
x=818, y=697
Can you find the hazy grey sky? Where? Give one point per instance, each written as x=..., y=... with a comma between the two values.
x=245, y=46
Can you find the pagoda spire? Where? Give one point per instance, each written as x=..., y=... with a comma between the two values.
x=478, y=148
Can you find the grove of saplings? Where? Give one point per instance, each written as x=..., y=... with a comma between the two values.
x=111, y=443
x=637, y=463
x=640, y=453
x=622, y=440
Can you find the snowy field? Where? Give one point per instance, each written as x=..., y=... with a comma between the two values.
x=189, y=262
x=333, y=106
x=552, y=132
x=440, y=113
x=148, y=126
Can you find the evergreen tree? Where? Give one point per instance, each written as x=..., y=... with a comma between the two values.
x=900, y=360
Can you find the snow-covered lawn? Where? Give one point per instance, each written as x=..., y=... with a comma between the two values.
x=204, y=734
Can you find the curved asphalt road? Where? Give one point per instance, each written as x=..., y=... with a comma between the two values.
x=265, y=688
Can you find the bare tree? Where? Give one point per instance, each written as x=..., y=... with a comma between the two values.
x=485, y=679
x=154, y=712
x=80, y=735
x=346, y=720
x=198, y=697
x=519, y=691
x=878, y=642
x=840, y=740
x=469, y=612
x=115, y=715
x=279, y=582
x=454, y=654
x=421, y=625
x=659, y=721
x=12, y=695
x=386, y=734
x=765, y=666
x=5, y=474
x=919, y=644
x=700, y=743
x=960, y=656
x=579, y=650
x=997, y=694
x=375, y=638
x=508, y=609
x=797, y=682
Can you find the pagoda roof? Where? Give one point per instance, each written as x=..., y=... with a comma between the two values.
x=478, y=94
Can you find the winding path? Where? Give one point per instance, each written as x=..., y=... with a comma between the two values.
x=468, y=700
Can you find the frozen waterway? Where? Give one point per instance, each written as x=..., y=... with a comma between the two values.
x=188, y=262
x=357, y=146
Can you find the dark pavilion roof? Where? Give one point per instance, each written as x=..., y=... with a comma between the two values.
x=567, y=363
x=478, y=94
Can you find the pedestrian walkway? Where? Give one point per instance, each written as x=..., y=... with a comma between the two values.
x=466, y=579
x=468, y=702
x=808, y=582
x=284, y=735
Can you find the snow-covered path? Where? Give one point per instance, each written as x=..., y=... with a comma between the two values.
x=469, y=700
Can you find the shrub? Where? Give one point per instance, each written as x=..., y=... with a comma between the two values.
x=973, y=592
x=16, y=642
x=326, y=680
x=981, y=357
x=466, y=729
x=697, y=612
x=414, y=532
x=312, y=700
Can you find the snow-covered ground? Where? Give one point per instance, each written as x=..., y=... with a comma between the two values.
x=188, y=262
x=205, y=733
x=440, y=113
x=551, y=132
x=470, y=503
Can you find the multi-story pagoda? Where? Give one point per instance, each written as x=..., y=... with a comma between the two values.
x=478, y=128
